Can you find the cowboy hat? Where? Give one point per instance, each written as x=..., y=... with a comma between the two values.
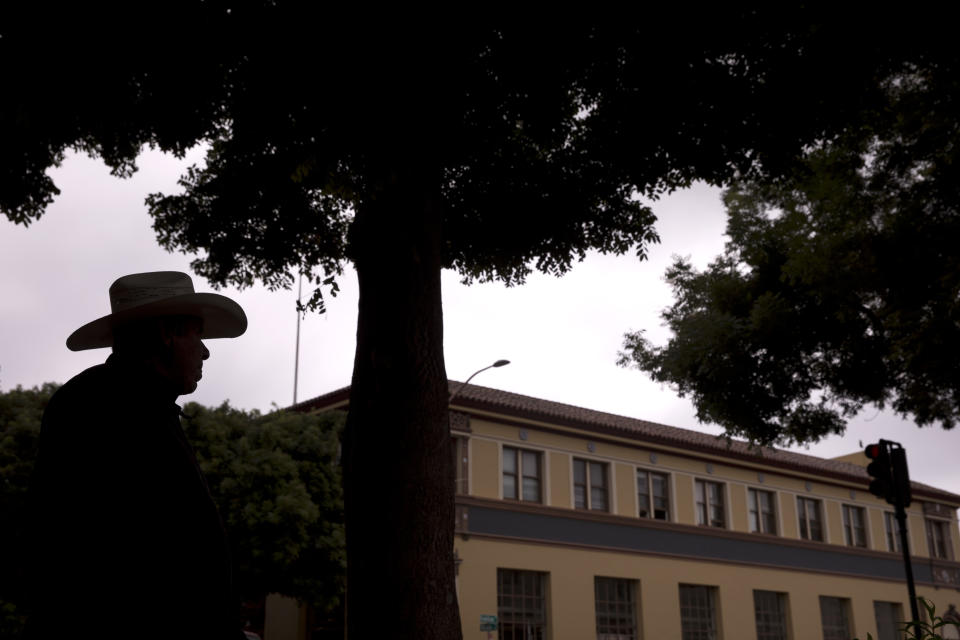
x=160, y=293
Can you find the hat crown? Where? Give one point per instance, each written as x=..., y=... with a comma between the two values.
x=138, y=289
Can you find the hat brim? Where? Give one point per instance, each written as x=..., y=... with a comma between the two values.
x=222, y=318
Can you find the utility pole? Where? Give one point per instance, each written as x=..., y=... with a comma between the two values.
x=891, y=481
x=296, y=355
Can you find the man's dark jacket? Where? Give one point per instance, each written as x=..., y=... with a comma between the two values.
x=127, y=541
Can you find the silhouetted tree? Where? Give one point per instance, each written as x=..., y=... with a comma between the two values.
x=407, y=147
x=840, y=284
x=20, y=413
x=276, y=481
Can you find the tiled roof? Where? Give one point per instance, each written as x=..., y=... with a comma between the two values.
x=521, y=406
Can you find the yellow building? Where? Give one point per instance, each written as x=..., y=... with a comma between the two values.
x=575, y=524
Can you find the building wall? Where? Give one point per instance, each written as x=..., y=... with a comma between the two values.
x=509, y=534
x=571, y=571
x=573, y=547
x=625, y=457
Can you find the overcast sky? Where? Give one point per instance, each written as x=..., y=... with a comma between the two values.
x=561, y=335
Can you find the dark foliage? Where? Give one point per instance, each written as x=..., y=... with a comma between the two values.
x=276, y=480
x=20, y=413
x=537, y=136
x=839, y=286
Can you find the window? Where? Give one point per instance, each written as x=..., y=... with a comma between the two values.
x=698, y=612
x=893, y=531
x=521, y=475
x=590, y=485
x=811, y=527
x=889, y=617
x=616, y=609
x=460, y=465
x=770, y=609
x=762, y=514
x=854, y=529
x=834, y=618
x=938, y=539
x=710, y=511
x=653, y=497
x=521, y=604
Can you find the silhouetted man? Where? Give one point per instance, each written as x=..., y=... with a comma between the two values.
x=127, y=540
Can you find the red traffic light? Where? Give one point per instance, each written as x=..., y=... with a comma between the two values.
x=880, y=471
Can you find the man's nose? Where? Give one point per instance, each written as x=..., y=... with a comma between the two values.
x=206, y=352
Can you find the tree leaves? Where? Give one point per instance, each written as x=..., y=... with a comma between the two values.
x=276, y=481
x=839, y=286
x=20, y=413
x=536, y=141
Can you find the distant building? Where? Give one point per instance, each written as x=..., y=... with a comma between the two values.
x=573, y=523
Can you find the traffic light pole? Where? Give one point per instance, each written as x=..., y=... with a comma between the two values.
x=891, y=481
x=905, y=547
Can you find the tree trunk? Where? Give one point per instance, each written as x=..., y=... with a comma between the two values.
x=398, y=468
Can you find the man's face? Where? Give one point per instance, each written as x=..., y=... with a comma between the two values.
x=187, y=355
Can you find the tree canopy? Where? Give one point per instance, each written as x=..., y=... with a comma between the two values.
x=275, y=479
x=840, y=284
x=535, y=138
x=20, y=413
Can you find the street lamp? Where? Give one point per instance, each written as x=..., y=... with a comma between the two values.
x=498, y=363
x=457, y=560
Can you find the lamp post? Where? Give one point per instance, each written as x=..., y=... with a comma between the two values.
x=498, y=363
x=457, y=559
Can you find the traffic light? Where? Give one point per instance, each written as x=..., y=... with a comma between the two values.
x=901, y=476
x=880, y=469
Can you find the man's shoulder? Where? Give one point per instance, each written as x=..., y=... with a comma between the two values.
x=91, y=375
x=74, y=409
x=83, y=395
x=85, y=382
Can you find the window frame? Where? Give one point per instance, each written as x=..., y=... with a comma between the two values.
x=703, y=515
x=773, y=624
x=891, y=528
x=849, y=530
x=835, y=631
x=758, y=520
x=651, y=497
x=523, y=616
x=461, y=465
x=888, y=629
x=619, y=615
x=588, y=486
x=943, y=527
x=803, y=519
x=520, y=475
x=692, y=627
